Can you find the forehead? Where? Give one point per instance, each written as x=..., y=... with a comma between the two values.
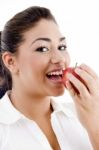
x=44, y=28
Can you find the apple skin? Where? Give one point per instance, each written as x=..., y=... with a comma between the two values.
x=71, y=70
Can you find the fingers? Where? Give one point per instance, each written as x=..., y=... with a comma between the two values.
x=89, y=70
x=90, y=80
x=85, y=81
x=71, y=89
x=83, y=91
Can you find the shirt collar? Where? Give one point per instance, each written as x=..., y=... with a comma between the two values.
x=67, y=108
x=9, y=114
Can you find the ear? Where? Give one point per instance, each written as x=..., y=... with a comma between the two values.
x=10, y=62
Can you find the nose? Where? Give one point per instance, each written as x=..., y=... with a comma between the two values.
x=58, y=57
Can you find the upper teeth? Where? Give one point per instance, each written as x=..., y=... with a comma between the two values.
x=56, y=73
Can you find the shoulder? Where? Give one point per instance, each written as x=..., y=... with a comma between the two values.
x=8, y=113
x=4, y=130
x=2, y=135
x=1, y=130
x=3, y=111
x=2, y=126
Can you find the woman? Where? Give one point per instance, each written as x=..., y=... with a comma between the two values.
x=35, y=54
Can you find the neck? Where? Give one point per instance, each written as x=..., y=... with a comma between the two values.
x=32, y=107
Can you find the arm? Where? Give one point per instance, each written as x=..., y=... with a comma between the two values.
x=86, y=101
x=94, y=138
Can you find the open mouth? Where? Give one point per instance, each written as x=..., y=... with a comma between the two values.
x=55, y=75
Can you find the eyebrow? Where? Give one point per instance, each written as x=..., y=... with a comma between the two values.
x=47, y=39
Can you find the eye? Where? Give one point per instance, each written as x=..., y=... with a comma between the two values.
x=62, y=47
x=42, y=49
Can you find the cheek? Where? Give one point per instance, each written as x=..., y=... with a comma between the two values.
x=37, y=66
x=67, y=58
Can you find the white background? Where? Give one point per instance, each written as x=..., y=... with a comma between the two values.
x=78, y=21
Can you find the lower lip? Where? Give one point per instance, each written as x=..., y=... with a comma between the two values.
x=56, y=80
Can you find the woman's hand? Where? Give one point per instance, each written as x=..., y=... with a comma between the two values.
x=86, y=100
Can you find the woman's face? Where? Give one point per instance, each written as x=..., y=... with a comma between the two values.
x=41, y=59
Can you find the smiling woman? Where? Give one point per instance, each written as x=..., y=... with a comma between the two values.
x=34, y=55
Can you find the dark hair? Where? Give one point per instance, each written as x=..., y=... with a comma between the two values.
x=2, y=80
x=4, y=76
x=12, y=35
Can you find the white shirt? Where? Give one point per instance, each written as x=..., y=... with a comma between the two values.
x=20, y=133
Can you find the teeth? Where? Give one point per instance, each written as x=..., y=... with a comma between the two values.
x=56, y=73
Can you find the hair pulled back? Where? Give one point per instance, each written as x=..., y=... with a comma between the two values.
x=12, y=34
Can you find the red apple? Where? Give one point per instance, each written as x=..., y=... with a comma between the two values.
x=71, y=70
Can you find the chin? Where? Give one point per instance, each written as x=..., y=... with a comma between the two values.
x=58, y=93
